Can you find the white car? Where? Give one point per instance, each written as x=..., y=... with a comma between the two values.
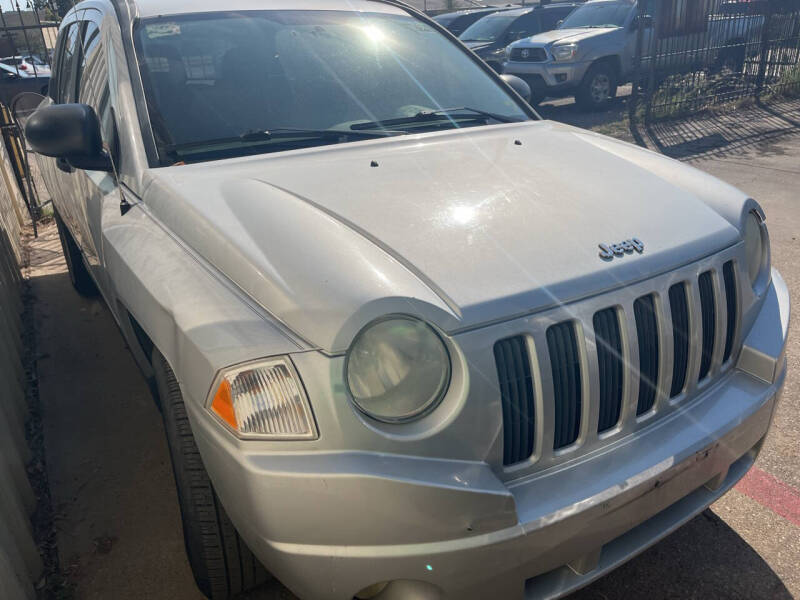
x=409, y=339
x=27, y=66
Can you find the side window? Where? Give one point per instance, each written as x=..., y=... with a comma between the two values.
x=66, y=68
x=93, y=84
x=527, y=25
x=90, y=42
x=550, y=18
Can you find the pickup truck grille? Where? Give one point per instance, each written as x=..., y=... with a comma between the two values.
x=585, y=364
x=529, y=55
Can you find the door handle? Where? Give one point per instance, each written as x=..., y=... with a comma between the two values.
x=63, y=164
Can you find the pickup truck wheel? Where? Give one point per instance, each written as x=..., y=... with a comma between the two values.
x=78, y=273
x=222, y=564
x=598, y=88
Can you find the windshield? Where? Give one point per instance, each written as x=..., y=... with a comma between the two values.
x=487, y=29
x=228, y=84
x=602, y=14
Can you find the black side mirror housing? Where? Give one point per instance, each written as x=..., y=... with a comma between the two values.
x=70, y=132
x=518, y=85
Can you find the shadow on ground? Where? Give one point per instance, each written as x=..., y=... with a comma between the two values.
x=705, y=559
x=752, y=127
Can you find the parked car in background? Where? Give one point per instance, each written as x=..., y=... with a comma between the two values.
x=456, y=22
x=12, y=84
x=489, y=36
x=28, y=66
x=408, y=339
x=592, y=52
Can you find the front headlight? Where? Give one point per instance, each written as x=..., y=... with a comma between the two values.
x=565, y=52
x=755, y=246
x=397, y=369
x=263, y=400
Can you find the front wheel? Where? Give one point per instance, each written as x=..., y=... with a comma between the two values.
x=222, y=564
x=598, y=88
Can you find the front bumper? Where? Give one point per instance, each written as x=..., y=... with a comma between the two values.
x=329, y=524
x=550, y=78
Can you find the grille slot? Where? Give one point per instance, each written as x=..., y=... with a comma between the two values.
x=708, y=311
x=647, y=334
x=679, y=307
x=732, y=302
x=516, y=392
x=567, y=388
x=609, y=360
x=529, y=54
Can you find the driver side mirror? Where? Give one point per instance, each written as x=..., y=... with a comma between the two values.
x=518, y=85
x=560, y=23
x=70, y=132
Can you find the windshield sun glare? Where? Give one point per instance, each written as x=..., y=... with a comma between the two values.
x=220, y=85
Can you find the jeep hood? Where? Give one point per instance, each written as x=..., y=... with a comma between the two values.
x=461, y=228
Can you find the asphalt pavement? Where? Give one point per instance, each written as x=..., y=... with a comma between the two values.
x=116, y=514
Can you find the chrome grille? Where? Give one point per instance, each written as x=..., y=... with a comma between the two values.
x=679, y=305
x=610, y=367
x=732, y=306
x=516, y=392
x=605, y=366
x=529, y=55
x=647, y=337
x=567, y=389
x=709, y=319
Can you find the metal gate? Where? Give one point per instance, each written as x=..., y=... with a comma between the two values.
x=694, y=55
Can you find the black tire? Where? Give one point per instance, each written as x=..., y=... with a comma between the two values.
x=78, y=273
x=598, y=88
x=222, y=564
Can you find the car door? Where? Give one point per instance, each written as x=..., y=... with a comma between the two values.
x=65, y=92
x=634, y=24
x=96, y=189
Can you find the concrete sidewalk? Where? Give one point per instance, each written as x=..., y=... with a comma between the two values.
x=119, y=532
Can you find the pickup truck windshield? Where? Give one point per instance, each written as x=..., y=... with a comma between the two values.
x=602, y=14
x=225, y=84
x=487, y=29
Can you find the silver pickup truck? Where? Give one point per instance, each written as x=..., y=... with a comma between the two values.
x=593, y=50
x=408, y=339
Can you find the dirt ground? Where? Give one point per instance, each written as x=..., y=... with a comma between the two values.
x=116, y=517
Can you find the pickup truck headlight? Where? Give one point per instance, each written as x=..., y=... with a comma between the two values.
x=565, y=52
x=397, y=369
x=755, y=246
x=263, y=400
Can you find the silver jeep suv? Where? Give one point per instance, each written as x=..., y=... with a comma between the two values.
x=408, y=339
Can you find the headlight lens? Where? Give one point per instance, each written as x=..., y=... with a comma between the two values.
x=565, y=52
x=754, y=246
x=397, y=369
x=265, y=400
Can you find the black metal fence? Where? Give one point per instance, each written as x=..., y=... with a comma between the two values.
x=28, y=33
x=695, y=55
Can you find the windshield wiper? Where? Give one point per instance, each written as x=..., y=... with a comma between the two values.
x=282, y=133
x=425, y=116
